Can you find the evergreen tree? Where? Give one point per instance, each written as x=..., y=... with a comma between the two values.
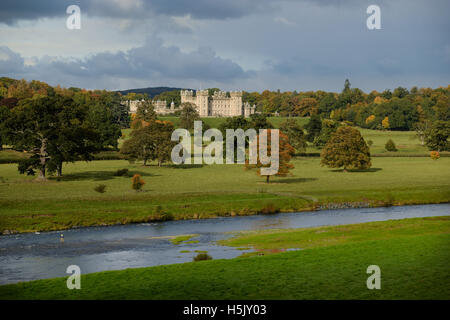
x=390, y=146
x=313, y=127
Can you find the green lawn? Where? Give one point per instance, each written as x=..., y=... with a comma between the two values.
x=406, y=141
x=412, y=254
x=175, y=192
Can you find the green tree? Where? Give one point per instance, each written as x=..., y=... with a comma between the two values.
x=188, y=115
x=53, y=130
x=139, y=146
x=313, y=127
x=234, y=123
x=328, y=128
x=152, y=142
x=259, y=121
x=161, y=133
x=108, y=129
x=346, y=148
x=327, y=104
x=146, y=111
x=295, y=134
x=390, y=146
x=437, y=136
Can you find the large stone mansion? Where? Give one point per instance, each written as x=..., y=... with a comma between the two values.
x=217, y=105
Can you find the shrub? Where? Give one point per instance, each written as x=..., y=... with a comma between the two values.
x=369, y=143
x=137, y=182
x=202, y=256
x=435, y=155
x=122, y=173
x=101, y=188
x=269, y=209
x=161, y=215
x=390, y=146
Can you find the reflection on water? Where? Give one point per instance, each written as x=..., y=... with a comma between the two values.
x=35, y=256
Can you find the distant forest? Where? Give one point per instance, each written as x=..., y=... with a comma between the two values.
x=400, y=109
x=150, y=92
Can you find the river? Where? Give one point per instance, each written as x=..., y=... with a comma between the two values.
x=32, y=256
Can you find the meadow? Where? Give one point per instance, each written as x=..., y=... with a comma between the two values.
x=406, y=142
x=412, y=255
x=196, y=191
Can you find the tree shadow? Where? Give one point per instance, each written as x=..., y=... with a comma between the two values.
x=99, y=175
x=358, y=170
x=295, y=180
x=184, y=166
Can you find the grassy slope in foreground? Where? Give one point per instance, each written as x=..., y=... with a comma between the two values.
x=412, y=253
x=207, y=191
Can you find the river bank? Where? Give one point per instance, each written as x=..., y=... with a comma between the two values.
x=412, y=253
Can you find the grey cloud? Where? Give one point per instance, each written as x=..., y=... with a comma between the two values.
x=151, y=62
x=10, y=61
x=15, y=10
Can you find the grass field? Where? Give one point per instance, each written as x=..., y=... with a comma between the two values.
x=177, y=192
x=406, y=141
x=412, y=254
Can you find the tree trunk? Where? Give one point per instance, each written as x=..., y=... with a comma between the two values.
x=43, y=159
x=59, y=170
x=267, y=178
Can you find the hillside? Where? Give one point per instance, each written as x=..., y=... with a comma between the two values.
x=151, y=91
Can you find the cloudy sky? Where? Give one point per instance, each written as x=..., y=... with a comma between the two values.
x=232, y=44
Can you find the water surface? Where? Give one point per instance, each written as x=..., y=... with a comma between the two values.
x=30, y=256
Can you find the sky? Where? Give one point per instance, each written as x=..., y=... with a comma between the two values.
x=250, y=45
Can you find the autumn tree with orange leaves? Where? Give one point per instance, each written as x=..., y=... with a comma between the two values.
x=286, y=151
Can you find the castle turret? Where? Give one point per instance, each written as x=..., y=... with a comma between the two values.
x=202, y=102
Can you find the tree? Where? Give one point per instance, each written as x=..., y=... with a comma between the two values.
x=385, y=123
x=295, y=134
x=307, y=106
x=328, y=128
x=390, y=146
x=120, y=112
x=259, y=121
x=102, y=120
x=234, y=123
x=152, y=142
x=137, y=183
x=146, y=111
x=285, y=154
x=421, y=129
x=161, y=133
x=346, y=148
x=327, y=104
x=188, y=115
x=53, y=130
x=313, y=127
x=139, y=146
x=437, y=136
